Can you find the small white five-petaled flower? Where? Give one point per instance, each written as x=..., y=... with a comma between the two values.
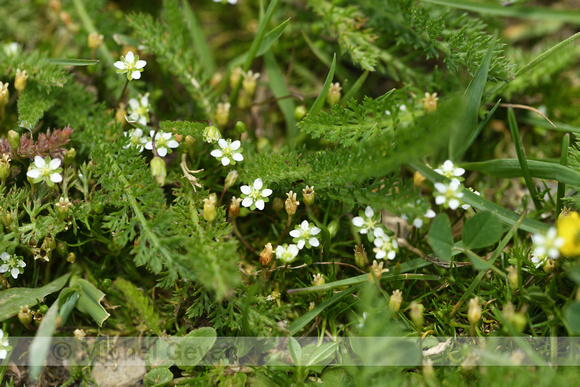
x=448, y=169
x=448, y=195
x=538, y=260
x=549, y=244
x=229, y=153
x=223, y=1
x=3, y=345
x=45, y=169
x=304, y=235
x=255, y=196
x=131, y=65
x=385, y=246
x=419, y=221
x=367, y=222
x=163, y=142
x=139, y=109
x=286, y=253
x=136, y=139
x=12, y=264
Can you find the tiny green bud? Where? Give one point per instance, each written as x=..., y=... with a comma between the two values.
x=209, y=210
x=240, y=127
x=13, y=139
x=513, y=277
x=333, y=95
x=333, y=228
x=299, y=113
x=71, y=257
x=474, y=312
x=549, y=266
x=189, y=143
x=63, y=208
x=417, y=314
x=99, y=208
x=43, y=309
x=249, y=83
x=360, y=256
x=277, y=205
x=61, y=249
x=308, y=196
x=158, y=170
x=25, y=315
x=69, y=157
x=4, y=166
x=106, y=283
x=231, y=179
x=211, y=134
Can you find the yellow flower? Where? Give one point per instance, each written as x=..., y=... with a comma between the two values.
x=569, y=230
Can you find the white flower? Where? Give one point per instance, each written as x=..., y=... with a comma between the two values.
x=467, y=206
x=420, y=220
x=45, y=169
x=448, y=194
x=11, y=263
x=11, y=49
x=139, y=109
x=286, y=253
x=449, y=170
x=136, y=139
x=549, y=244
x=3, y=345
x=223, y=1
x=163, y=142
x=131, y=65
x=229, y=153
x=304, y=235
x=255, y=196
x=367, y=222
x=537, y=259
x=385, y=245
x=273, y=296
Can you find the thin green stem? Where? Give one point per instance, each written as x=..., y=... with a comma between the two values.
x=564, y=162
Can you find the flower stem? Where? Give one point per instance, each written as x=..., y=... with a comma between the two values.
x=241, y=238
x=122, y=93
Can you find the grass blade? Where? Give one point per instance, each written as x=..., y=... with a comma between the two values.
x=505, y=216
x=522, y=158
x=563, y=162
x=319, y=103
x=463, y=147
x=279, y=89
x=73, y=62
x=355, y=88
x=202, y=51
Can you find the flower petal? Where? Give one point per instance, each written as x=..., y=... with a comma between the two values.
x=294, y=233
x=136, y=74
x=369, y=212
x=235, y=145
x=266, y=192
x=140, y=64
x=217, y=153
x=247, y=202
x=314, y=242
x=260, y=204
x=439, y=200
x=39, y=162
x=225, y=161
x=54, y=164
x=33, y=173
x=314, y=231
x=453, y=204
x=238, y=157
x=358, y=221
x=245, y=190
x=301, y=244
x=56, y=178
x=120, y=65
x=162, y=152
x=222, y=143
x=130, y=57
x=258, y=183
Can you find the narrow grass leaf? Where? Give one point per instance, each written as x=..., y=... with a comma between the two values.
x=41, y=342
x=202, y=50
x=319, y=103
x=74, y=62
x=279, y=89
x=471, y=139
x=355, y=87
x=563, y=161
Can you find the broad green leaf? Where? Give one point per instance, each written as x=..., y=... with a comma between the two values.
x=458, y=143
x=319, y=103
x=158, y=377
x=12, y=299
x=162, y=353
x=74, y=62
x=322, y=353
x=441, y=238
x=90, y=301
x=295, y=351
x=481, y=230
x=41, y=342
x=509, y=168
x=194, y=346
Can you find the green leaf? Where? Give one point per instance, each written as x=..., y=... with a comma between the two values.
x=319, y=103
x=12, y=299
x=74, y=62
x=194, y=346
x=572, y=316
x=279, y=88
x=140, y=303
x=322, y=353
x=458, y=143
x=355, y=87
x=41, y=342
x=201, y=48
x=440, y=237
x=90, y=301
x=481, y=230
x=269, y=39
x=295, y=351
x=162, y=354
x=158, y=377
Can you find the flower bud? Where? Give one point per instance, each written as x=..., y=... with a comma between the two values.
x=308, y=196
x=266, y=255
x=333, y=228
x=418, y=179
x=63, y=208
x=71, y=257
x=277, y=205
x=120, y=114
x=240, y=127
x=417, y=314
x=25, y=315
x=5, y=218
x=189, y=143
x=377, y=270
x=95, y=40
x=46, y=249
x=234, y=210
x=235, y=76
x=360, y=256
x=215, y=80
x=209, y=210
x=549, y=266
x=333, y=95
x=291, y=204
x=513, y=277
x=430, y=102
x=69, y=157
x=428, y=370
x=158, y=170
x=4, y=94
x=249, y=83
x=4, y=166
x=20, y=80
x=211, y=134
x=299, y=113
x=80, y=334
x=13, y=140
x=318, y=280
x=38, y=317
x=395, y=301
x=231, y=179
x=43, y=309
x=474, y=312
x=244, y=100
x=222, y=113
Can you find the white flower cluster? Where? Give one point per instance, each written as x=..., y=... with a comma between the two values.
x=164, y=141
x=449, y=195
x=546, y=246
x=370, y=224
